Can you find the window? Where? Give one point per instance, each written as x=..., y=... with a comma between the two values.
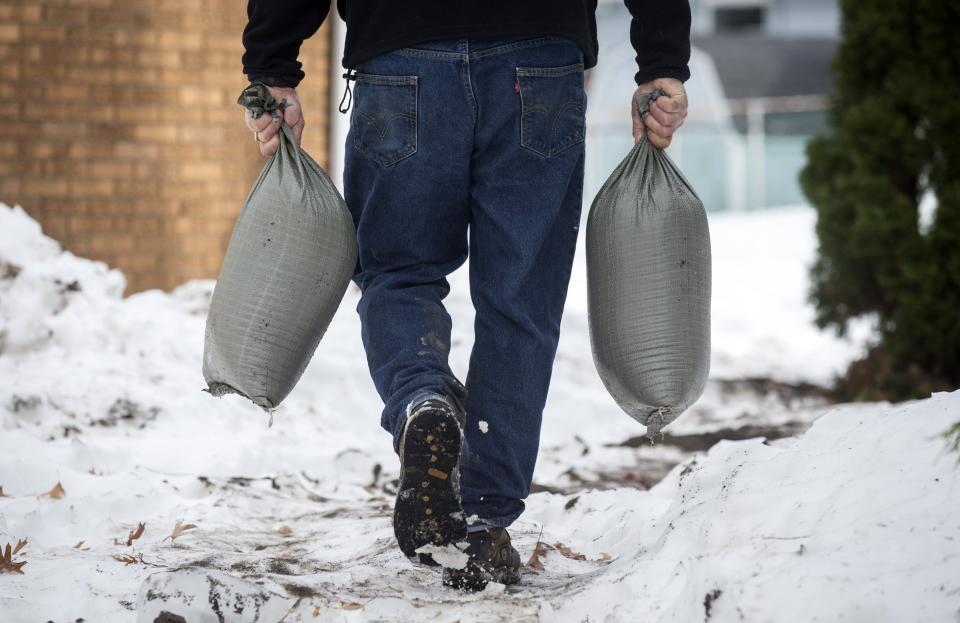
x=740, y=19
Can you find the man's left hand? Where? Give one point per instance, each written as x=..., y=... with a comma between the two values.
x=666, y=112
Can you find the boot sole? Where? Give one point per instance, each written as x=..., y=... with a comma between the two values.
x=475, y=577
x=428, y=510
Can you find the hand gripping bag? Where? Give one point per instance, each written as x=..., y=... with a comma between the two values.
x=648, y=281
x=289, y=261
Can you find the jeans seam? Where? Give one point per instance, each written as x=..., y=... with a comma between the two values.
x=517, y=45
x=500, y=49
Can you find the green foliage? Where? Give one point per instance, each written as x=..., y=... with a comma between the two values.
x=894, y=133
x=953, y=437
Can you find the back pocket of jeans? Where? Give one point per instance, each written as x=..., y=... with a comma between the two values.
x=552, y=104
x=384, y=119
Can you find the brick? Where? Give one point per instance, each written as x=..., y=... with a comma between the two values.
x=110, y=169
x=182, y=40
x=43, y=33
x=63, y=129
x=130, y=143
x=92, y=3
x=78, y=92
x=201, y=96
x=91, y=187
x=38, y=149
x=160, y=133
x=9, y=71
x=31, y=13
x=200, y=170
x=9, y=32
x=135, y=149
x=45, y=187
x=66, y=15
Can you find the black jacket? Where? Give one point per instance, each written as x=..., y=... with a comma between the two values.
x=659, y=30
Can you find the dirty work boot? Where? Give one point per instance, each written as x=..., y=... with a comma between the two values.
x=491, y=558
x=427, y=510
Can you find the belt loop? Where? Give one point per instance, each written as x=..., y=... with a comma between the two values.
x=347, y=90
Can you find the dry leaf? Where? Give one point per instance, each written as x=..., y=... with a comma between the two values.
x=6, y=561
x=540, y=550
x=135, y=534
x=604, y=557
x=350, y=605
x=2, y=494
x=284, y=530
x=569, y=553
x=128, y=559
x=316, y=611
x=80, y=546
x=57, y=492
x=179, y=529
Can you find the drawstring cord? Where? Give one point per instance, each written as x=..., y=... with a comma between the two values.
x=347, y=90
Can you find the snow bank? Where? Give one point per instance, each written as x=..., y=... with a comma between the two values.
x=859, y=519
x=101, y=394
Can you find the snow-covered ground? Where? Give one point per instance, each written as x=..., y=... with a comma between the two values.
x=855, y=519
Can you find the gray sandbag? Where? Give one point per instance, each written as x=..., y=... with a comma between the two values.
x=648, y=281
x=287, y=266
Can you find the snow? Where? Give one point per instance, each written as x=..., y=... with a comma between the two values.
x=857, y=518
x=484, y=426
x=447, y=555
x=762, y=323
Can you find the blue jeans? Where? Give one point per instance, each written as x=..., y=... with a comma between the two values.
x=478, y=139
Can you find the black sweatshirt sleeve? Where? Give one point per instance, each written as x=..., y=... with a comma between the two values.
x=660, y=33
x=272, y=38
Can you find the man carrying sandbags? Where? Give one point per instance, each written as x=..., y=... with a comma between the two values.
x=467, y=133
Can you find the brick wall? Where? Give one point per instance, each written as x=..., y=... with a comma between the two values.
x=121, y=131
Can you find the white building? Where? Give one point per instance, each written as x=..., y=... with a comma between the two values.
x=760, y=74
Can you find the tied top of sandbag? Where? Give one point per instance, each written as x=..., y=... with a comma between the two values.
x=258, y=99
x=642, y=101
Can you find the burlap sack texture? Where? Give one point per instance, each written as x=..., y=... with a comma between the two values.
x=289, y=261
x=648, y=280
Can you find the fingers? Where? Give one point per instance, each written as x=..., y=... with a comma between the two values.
x=667, y=112
x=266, y=127
x=293, y=117
x=658, y=129
x=270, y=147
x=259, y=124
x=657, y=140
x=638, y=127
x=265, y=131
x=298, y=131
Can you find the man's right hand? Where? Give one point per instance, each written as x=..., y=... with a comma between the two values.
x=266, y=129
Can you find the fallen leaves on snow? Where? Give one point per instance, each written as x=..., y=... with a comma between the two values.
x=179, y=529
x=567, y=552
x=536, y=559
x=135, y=534
x=128, y=559
x=6, y=561
x=538, y=551
x=56, y=492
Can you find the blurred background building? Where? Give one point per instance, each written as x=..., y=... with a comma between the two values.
x=759, y=76
x=122, y=135
x=124, y=140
